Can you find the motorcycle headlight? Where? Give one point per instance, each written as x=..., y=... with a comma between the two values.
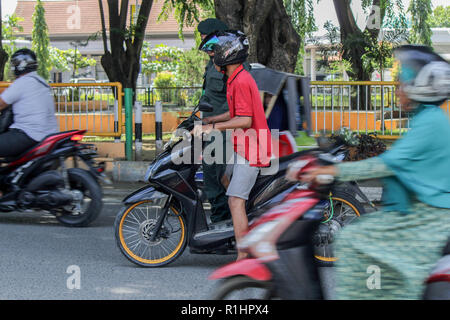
x=149, y=172
x=258, y=233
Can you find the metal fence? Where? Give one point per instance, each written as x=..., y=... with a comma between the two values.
x=364, y=106
x=91, y=106
x=172, y=98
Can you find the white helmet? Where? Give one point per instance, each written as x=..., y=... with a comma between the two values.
x=425, y=75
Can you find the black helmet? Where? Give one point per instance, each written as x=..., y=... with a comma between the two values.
x=230, y=47
x=23, y=61
x=424, y=74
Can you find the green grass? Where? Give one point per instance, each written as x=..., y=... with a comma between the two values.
x=303, y=140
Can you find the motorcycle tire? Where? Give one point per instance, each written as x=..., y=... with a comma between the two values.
x=139, y=229
x=324, y=255
x=239, y=283
x=83, y=181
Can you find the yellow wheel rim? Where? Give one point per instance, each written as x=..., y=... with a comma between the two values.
x=150, y=261
x=333, y=259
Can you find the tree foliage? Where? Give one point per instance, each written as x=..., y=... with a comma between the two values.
x=440, y=18
x=65, y=60
x=40, y=40
x=186, y=66
x=10, y=27
x=361, y=45
x=187, y=13
x=191, y=67
x=3, y=53
x=160, y=58
x=420, y=28
x=301, y=13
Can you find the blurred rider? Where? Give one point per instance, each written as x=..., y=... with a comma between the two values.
x=32, y=103
x=388, y=254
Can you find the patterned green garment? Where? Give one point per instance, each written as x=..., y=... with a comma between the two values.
x=387, y=254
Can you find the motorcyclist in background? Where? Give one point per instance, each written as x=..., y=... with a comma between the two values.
x=214, y=93
x=388, y=254
x=32, y=103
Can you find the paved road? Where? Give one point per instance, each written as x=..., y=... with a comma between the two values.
x=40, y=259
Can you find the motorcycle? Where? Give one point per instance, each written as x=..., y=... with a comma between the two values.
x=281, y=243
x=437, y=285
x=158, y=221
x=39, y=179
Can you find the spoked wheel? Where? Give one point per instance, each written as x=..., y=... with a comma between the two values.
x=135, y=227
x=342, y=210
x=244, y=288
x=87, y=200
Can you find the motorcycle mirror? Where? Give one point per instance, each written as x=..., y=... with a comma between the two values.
x=205, y=107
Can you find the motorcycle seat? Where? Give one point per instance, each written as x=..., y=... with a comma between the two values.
x=283, y=163
x=43, y=141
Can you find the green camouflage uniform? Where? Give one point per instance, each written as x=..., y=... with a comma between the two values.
x=214, y=92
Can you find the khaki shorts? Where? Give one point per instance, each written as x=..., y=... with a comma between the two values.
x=242, y=177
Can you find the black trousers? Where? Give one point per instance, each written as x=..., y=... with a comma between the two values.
x=14, y=142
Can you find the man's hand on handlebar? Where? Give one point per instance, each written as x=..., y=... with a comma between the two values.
x=199, y=130
x=311, y=175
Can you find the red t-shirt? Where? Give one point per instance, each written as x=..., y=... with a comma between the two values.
x=254, y=143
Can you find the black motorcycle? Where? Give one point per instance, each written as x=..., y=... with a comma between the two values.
x=39, y=179
x=159, y=220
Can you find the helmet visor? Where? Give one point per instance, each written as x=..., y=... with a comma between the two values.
x=209, y=44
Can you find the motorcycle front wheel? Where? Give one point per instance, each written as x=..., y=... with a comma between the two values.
x=134, y=227
x=244, y=288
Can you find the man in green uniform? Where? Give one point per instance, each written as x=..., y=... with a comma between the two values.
x=214, y=93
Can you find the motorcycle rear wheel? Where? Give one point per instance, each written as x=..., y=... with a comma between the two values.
x=349, y=207
x=91, y=203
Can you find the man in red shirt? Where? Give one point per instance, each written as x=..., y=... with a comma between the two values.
x=250, y=135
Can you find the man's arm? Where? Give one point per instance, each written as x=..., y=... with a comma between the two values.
x=239, y=122
x=3, y=104
x=234, y=123
x=218, y=118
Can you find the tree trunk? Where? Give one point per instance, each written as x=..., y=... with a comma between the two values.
x=122, y=62
x=272, y=37
x=354, y=40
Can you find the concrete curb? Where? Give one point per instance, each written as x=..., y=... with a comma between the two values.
x=134, y=171
x=129, y=171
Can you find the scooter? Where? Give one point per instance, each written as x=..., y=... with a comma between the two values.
x=437, y=285
x=281, y=263
x=280, y=244
x=39, y=179
x=159, y=220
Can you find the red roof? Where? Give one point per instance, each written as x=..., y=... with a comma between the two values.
x=59, y=17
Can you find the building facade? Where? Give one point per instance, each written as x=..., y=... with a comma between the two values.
x=72, y=22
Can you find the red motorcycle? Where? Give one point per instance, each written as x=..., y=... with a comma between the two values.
x=281, y=246
x=437, y=285
x=39, y=179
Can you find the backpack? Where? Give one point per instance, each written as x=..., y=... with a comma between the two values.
x=6, y=118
